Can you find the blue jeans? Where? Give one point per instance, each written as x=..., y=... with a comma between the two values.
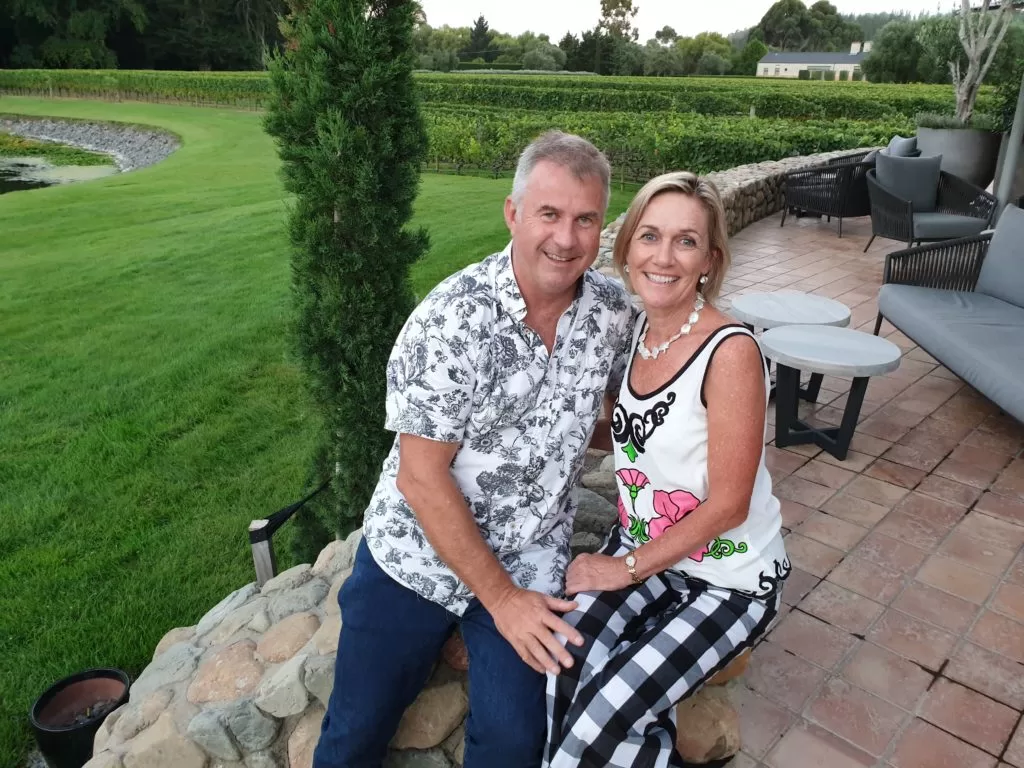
x=390, y=639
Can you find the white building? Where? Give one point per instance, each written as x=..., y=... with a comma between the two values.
x=789, y=63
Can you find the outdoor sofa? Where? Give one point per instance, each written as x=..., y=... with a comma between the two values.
x=962, y=302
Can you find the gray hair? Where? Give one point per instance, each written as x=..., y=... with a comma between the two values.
x=575, y=153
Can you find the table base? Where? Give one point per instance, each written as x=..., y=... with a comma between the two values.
x=791, y=430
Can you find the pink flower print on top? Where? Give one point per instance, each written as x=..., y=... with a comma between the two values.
x=623, y=514
x=634, y=480
x=671, y=508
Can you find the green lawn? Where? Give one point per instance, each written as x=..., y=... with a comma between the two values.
x=149, y=404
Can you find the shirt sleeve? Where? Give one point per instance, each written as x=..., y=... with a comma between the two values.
x=430, y=376
x=623, y=351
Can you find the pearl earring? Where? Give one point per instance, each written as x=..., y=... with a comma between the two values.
x=626, y=269
x=703, y=279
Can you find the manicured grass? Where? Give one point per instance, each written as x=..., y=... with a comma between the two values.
x=58, y=154
x=149, y=403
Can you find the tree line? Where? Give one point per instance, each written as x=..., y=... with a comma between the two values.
x=238, y=34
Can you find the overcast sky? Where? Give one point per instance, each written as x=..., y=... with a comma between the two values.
x=687, y=17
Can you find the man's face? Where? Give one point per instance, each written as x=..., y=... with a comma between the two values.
x=556, y=230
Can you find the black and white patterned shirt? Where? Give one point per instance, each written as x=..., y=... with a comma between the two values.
x=466, y=369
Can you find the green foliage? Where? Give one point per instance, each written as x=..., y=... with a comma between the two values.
x=57, y=154
x=979, y=121
x=844, y=75
x=895, y=54
x=480, y=37
x=345, y=119
x=745, y=62
x=473, y=65
x=707, y=96
x=857, y=75
x=712, y=64
x=828, y=75
x=804, y=74
x=617, y=17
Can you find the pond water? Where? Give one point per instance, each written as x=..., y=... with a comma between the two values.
x=20, y=173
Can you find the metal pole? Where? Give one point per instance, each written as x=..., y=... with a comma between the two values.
x=1012, y=153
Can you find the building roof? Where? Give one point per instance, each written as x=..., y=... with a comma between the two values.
x=813, y=57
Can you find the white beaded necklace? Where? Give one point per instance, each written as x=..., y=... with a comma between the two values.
x=650, y=354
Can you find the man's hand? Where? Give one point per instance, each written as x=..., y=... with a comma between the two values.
x=596, y=573
x=528, y=621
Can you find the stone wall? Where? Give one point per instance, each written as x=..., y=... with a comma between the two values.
x=246, y=687
x=749, y=193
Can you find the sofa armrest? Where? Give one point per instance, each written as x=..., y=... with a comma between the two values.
x=856, y=157
x=959, y=196
x=952, y=265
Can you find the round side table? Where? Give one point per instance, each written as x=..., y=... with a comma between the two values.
x=782, y=308
x=824, y=350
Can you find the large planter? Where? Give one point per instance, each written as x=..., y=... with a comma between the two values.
x=966, y=152
x=68, y=714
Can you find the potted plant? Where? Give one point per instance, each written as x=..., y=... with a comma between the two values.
x=969, y=144
x=68, y=714
x=969, y=150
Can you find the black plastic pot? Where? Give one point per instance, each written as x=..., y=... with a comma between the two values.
x=61, y=721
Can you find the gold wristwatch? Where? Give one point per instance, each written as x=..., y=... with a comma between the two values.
x=631, y=567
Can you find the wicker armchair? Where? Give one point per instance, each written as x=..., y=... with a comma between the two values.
x=894, y=217
x=838, y=188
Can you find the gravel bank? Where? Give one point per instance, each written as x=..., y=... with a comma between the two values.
x=131, y=146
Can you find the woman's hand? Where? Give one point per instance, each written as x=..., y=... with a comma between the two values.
x=596, y=573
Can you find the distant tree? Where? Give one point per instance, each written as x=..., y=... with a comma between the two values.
x=617, y=18
x=981, y=34
x=591, y=55
x=480, y=37
x=626, y=57
x=786, y=25
x=895, y=54
x=692, y=49
x=871, y=23
x=570, y=46
x=58, y=34
x=661, y=60
x=539, y=59
x=344, y=116
x=712, y=64
x=939, y=40
x=666, y=35
x=828, y=30
x=745, y=61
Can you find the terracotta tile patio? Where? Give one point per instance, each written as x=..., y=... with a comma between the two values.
x=901, y=642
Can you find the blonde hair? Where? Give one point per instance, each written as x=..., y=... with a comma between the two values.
x=718, y=239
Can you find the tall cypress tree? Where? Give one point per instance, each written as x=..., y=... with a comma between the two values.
x=351, y=140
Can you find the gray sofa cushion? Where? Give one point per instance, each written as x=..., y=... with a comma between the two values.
x=911, y=178
x=946, y=226
x=901, y=147
x=1002, y=273
x=978, y=337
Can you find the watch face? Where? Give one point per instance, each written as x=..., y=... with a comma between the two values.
x=630, y=560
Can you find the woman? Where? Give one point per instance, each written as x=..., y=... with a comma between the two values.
x=692, y=574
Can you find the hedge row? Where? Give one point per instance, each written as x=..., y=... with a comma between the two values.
x=707, y=96
x=640, y=146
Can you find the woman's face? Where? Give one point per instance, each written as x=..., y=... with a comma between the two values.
x=669, y=252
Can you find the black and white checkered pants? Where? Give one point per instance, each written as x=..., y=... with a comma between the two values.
x=645, y=648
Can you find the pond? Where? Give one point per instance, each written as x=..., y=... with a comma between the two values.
x=20, y=173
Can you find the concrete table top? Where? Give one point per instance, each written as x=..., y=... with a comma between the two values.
x=829, y=350
x=779, y=308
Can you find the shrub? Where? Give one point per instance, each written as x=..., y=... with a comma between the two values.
x=858, y=75
x=354, y=173
x=844, y=75
x=817, y=74
x=828, y=75
x=804, y=74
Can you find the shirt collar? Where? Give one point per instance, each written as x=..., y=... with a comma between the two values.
x=509, y=295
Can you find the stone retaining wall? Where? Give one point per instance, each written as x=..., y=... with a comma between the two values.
x=246, y=687
x=749, y=193
x=131, y=146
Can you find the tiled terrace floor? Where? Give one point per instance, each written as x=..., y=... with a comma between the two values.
x=902, y=641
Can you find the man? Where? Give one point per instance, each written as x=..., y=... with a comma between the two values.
x=494, y=387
